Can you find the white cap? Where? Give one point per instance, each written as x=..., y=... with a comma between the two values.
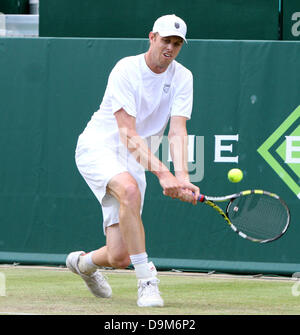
x=170, y=25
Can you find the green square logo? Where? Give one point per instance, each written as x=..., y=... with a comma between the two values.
x=281, y=151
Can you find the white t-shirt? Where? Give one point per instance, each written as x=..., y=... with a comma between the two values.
x=151, y=98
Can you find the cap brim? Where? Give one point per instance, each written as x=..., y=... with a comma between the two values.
x=172, y=33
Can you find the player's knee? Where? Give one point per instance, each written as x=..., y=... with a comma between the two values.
x=131, y=194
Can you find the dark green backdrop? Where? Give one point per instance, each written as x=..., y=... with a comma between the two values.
x=14, y=6
x=210, y=19
x=49, y=89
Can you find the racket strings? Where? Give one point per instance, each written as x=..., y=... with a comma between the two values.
x=258, y=215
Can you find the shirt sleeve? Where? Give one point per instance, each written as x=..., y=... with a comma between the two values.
x=183, y=97
x=121, y=90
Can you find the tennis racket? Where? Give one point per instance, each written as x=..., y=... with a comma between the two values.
x=256, y=215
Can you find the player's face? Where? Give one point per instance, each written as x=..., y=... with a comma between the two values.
x=162, y=51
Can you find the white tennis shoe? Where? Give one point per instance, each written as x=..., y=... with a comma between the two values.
x=95, y=282
x=148, y=293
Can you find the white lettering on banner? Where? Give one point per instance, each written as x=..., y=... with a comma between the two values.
x=196, y=165
x=219, y=148
x=191, y=141
x=290, y=148
x=195, y=156
x=295, y=26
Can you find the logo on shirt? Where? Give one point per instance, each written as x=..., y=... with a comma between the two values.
x=166, y=88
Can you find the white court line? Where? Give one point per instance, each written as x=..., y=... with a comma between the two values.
x=12, y=313
x=211, y=274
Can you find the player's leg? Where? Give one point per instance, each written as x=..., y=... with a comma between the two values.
x=125, y=199
x=126, y=190
x=126, y=235
x=96, y=171
x=114, y=253
x=125, y=241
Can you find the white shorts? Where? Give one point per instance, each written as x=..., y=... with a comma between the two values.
x=98, y=165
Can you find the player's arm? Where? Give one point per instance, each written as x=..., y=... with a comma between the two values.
x=178, y=140
x=139, y=149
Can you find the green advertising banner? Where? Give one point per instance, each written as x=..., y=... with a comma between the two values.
x=291, y=19
x=206, y=19
x=246, y=114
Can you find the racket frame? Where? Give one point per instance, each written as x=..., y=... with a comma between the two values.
x=210, y=201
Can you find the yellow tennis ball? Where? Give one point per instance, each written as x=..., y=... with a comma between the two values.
x=235, y=175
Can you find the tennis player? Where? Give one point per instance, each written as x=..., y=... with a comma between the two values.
x=143, y=94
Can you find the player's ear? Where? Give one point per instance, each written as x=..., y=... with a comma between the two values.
x=152, y=36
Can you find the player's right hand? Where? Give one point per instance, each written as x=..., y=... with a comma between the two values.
x=190, y=193
x=180, y=189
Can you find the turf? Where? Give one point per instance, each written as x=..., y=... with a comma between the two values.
x=58, y=291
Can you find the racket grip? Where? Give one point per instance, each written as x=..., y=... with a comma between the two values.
x=201, y=197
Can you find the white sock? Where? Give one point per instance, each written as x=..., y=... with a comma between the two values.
x=139, y=258
x=86, y=265
x=143, y=269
